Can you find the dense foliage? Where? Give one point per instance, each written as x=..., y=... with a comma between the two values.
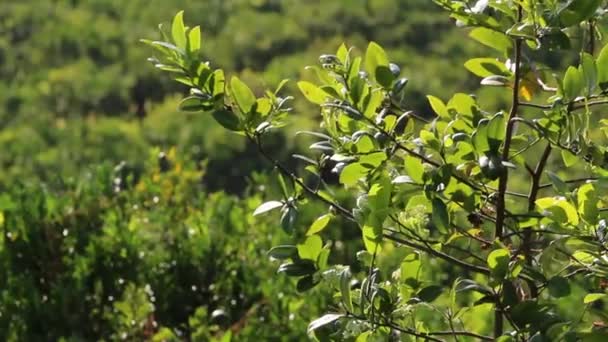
x=479, y=222
x=101, y=238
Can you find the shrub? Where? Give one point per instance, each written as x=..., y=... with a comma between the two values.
x=443, y=193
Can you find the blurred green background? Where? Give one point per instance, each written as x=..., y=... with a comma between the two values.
x=123, y=219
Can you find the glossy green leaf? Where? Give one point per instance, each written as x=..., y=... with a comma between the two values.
x=311, y=248
x=297, y=269
x=178, y=31
x=194, y=39
x=352, y=173
x=283, y=252
x=573, y=83
x=312, y=93
x=484, y=67
x=498, y=262
x=587, y=198
x=322, y=321
x=577, y=11
x=559, y=210
x=430, y=293
x=376, y=58
x=438, y=106
x=491, y=38
x=593, y=297
x=440, y=216
x=602, y=68
x=319, y=224
x=242, y=94
x=191, y=104
x=589, y=72
x=414, y=169
x=266, y=207
x=305, y=283
x=228, y=119
x=345, y=277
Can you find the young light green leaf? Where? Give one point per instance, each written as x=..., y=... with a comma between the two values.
x=178, y=31
x=573, y=83
x=242, y=94
x=414, y=169
x=589, y=71
x=592, y=297
x=312, y=93
x=194, y=39
x=319, y=224
x=602, y=68
x=438, y=107
x=352, y=173
x=311, y=248
x=267, y=206
x=587, y=198
x=375, y=57
x=498, y=262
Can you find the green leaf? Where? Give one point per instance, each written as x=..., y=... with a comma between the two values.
x=319, y=224
x=559, y=210
x=558, y=184
x=429, y=293
x=414, y=169
x=345, y=292
x=602, y=68
x=288, y=219
x=410, y=269
x=440, y=216
x=178, y=31
x=312, y=93
x=266, y=207
x=463, y=104
x=573, y=83
x=375, y=57
x=242, y=94
x=191, y=104
x=305, y=283
x=587, y=198
x=569, y=158
x=194, y=39
x=498, y=262
x=484, y=67
x=589, y=71
x=592, y=297
x=496, y=132
x=298, y=269
x=491, y=38
x=558, y=287
x=352, y=173
x=323, y=321
x=371, y=239
x=228, y=119
x=578, y=11
x=311, y=248
x=283, y=252
x=438, y=107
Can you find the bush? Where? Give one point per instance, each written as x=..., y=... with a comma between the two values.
x=450, y=238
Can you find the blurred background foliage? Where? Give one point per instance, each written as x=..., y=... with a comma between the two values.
x=123, y=219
